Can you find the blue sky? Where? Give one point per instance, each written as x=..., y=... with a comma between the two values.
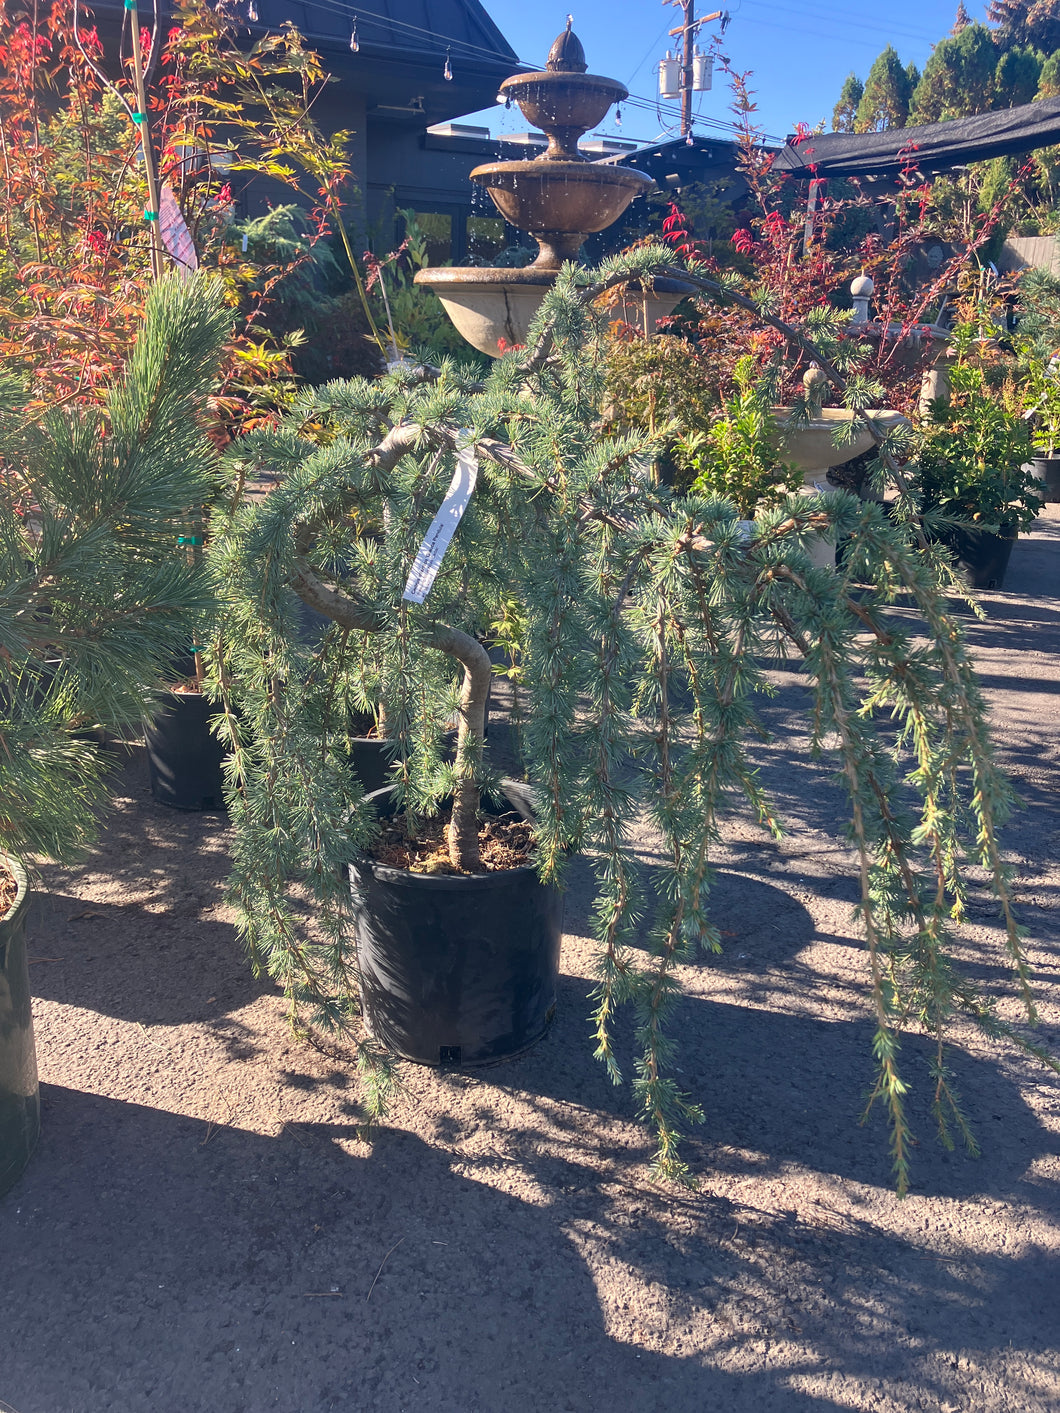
x=800, y=53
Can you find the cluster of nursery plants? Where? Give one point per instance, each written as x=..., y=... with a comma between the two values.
x=634, y=609
x=642, y=621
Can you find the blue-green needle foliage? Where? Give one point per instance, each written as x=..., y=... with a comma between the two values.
x=97, y=599
x=647, y=621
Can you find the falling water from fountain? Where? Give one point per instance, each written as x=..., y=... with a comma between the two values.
x=559, y=198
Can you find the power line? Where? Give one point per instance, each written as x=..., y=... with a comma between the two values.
x=823, y=13
x=809, y=33
x=350, y=11
x=656, y=42
x=660, y=106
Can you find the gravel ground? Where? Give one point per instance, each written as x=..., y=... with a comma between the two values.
x=202, y=1229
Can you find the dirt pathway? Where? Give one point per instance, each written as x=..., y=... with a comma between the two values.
x=202, y=1231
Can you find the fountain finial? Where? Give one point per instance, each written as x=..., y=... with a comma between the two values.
x=566, y=55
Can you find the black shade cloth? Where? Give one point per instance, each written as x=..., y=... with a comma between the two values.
x=928, y=147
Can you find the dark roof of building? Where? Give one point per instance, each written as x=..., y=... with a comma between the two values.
x=678, y=151
x=402, y=50
x=410, y=28
x=927, y=147
x=676, y=163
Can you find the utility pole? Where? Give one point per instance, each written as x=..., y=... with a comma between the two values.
x=688, y=32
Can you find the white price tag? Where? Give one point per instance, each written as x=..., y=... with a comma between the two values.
x=430, y=554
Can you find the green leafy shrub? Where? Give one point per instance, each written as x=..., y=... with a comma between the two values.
x=739, y=456
x=971, y=457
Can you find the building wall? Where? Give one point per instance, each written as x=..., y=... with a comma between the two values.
x=1035, y=252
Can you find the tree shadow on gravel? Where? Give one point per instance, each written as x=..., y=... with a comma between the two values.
x=148, y=1269
x=783, y=1089
x=170, y=861
x=742, y=908
x=136, y=965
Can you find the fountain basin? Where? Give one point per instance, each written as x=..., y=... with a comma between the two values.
x=560, y=202
x=487, y=306
x=550, y=101
x=811, y=447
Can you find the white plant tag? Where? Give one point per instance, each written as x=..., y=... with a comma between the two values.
x=430, y=554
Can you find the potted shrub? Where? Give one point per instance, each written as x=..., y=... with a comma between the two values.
x=1036, y=340
x=95, y=605
x=184, y=757
x=646, y=618
x=1042, y=396
x=970, y=473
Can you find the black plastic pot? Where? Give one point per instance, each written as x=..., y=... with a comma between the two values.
x=456, y=970
x=370, y=758
x=1047, y=470
x=983, y=557
x=183, y=756
x=19, y=1094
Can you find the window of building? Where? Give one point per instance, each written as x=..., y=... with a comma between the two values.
x=485, y=238
x=437, y=228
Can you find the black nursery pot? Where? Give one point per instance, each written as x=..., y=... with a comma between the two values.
x=19, y=1093
x=370, y=758
x=183, y=756
x=455, y=969
x=983, y=557
x=1047, y=471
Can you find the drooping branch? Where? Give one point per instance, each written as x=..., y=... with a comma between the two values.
x=542, y=351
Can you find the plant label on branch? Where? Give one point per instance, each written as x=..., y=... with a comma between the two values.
x=175, y=234
x=430, y=554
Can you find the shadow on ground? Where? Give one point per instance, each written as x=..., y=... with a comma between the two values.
x=140, y=966
x=149, y=1266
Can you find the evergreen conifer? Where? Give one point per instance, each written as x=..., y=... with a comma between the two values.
x=646, y=620
x=1017, y=77
x=958, y=78
x=1033, y=23
x=845, y=111
x=885, y=100
x=98, y=599
x=1049, y=78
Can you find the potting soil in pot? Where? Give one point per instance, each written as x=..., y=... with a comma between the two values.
x=503, y=843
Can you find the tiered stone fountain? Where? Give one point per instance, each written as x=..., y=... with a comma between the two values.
x=559, y=198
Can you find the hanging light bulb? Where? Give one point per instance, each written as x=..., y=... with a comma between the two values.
x=252, y=13
x=618, y=117
x=355, y=43
x=447, y=72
